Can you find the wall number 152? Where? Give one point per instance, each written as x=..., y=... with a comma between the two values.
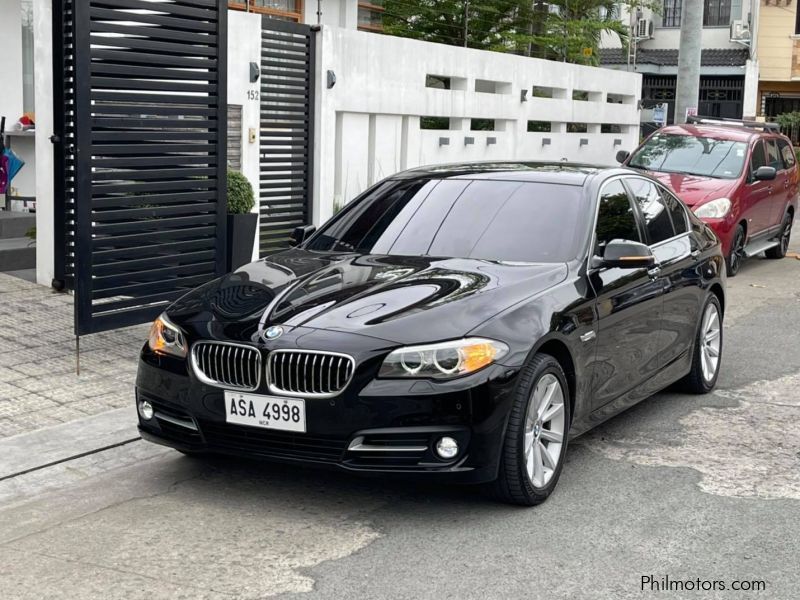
x=252, y=94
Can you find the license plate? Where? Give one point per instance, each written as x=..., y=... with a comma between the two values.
x=268, y=412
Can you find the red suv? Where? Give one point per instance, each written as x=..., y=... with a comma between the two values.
x=741, y=179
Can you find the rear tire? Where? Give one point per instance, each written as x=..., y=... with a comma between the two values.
x=782, y=248
x=734, y=260
x=707, y=353
x=536, y=437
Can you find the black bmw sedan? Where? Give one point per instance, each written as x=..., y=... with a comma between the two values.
x=459, y=322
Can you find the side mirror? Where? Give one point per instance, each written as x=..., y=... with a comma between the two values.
x=765, y=174
x=622, y=156
x=624, y=254
x=301, y=234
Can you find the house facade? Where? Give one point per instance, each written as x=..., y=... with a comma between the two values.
x=728, y=75
x=776, y=47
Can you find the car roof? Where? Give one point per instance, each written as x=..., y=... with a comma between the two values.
x=541, y=172
x=734, y=133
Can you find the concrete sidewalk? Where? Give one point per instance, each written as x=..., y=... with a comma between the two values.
x=38, y=384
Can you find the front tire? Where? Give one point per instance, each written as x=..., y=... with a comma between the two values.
x=536, y=437
x=736, y=255
x=782, y=248
x=707, y=355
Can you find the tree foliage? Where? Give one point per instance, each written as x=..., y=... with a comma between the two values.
x=557, y=29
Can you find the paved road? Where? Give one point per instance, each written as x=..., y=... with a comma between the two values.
x=683, y=487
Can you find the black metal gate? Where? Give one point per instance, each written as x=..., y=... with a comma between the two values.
x=719, y=96
x=287, y=130
x=140, y=173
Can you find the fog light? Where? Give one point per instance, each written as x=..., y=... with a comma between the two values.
x=447, y=448
x=145, y=410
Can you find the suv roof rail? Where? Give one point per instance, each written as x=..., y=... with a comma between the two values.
x=763, y=125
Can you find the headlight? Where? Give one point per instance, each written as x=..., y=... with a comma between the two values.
x=166, y=338
x=716, y=209
x=442, y=361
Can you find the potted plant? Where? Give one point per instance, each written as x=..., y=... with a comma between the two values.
x=241, y=222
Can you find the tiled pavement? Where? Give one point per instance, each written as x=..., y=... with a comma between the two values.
x=38, y=384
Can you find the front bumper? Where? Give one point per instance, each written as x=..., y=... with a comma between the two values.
x=384, y=428
x=724, y=229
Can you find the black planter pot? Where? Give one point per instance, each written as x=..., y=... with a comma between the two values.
x=241, y=235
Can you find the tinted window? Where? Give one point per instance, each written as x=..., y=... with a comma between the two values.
x=787, y=153
x=652, y=206
x=489, y=220
x=757, y=159
x=773, y=156
x=703, y=156
x=676, y=211
x=615, y=217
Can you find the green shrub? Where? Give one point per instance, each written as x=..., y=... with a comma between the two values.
x=240, y=194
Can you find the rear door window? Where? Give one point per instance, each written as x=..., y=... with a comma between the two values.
x=656, y=216
x=676, y=211
x=787, y=153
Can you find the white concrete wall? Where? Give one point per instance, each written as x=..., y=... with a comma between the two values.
x=368, y=123
x=11, y=60
x=43, y=91
x=244, y=47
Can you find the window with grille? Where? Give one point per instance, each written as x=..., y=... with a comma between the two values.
x=717, y=13
x=287, y=10
x=671, y=17
x=370, y=15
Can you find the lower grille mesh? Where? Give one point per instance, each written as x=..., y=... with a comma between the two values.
x=273, y=443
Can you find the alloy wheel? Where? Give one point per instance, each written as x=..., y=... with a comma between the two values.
x=711, y=342
x=786, y=234
x=544, y=430
x=737, y=252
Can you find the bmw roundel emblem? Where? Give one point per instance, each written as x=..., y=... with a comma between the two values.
x=273, y=332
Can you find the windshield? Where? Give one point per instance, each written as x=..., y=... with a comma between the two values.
x=702, y=156
x=490, y=220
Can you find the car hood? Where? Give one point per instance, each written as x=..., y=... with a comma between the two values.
x=394, y=298
x=693, y=189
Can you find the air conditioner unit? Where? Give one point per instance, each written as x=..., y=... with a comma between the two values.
x=644, y=29
x=740, y=31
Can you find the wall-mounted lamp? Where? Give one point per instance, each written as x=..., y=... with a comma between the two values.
x=469, y=140
x=523, y=95
x=546, y=141
x=490, y=141
x=255, y=72
x=331, y=79
x=583, y=142
x=617, y=142
x=444, y=141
